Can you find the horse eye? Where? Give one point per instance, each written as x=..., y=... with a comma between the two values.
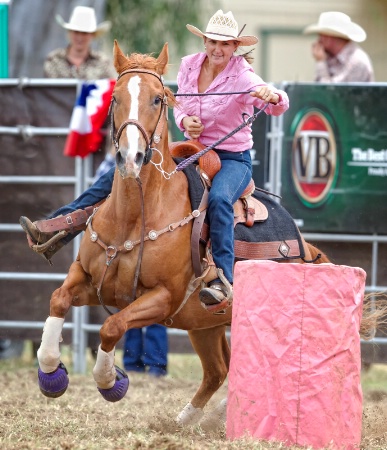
x=157, y=101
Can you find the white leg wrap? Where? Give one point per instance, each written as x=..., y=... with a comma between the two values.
x=215, y=418
x=189, y=415
x=104, y=371
x=49, y=353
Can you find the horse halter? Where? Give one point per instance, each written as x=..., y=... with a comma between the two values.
x=156, y=135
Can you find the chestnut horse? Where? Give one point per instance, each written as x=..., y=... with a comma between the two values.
x=135, y=255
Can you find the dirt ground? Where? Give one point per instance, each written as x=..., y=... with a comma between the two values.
x=81, y=419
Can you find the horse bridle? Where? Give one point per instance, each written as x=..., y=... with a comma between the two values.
x=156, y=135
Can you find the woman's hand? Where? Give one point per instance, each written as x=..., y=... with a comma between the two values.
x=193, y=126
x=267, y=94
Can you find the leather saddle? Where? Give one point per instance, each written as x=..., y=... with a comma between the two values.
x=247, y=209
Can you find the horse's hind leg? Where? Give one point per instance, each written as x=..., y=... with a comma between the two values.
x=214, y=352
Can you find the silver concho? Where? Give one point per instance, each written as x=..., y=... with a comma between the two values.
x=152, y=235
x=156, y=138
x=195, y=213
x=93, y=236
x=128, y=245
x=284, y=249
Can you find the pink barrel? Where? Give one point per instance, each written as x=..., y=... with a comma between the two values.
x=295, y=354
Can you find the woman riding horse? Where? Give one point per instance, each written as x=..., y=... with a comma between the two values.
x=218, y=69
x=205, y=118
x=135, y=255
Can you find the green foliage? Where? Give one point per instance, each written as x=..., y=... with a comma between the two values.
x=144, y=26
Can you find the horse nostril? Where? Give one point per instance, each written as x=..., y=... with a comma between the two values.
x=139, y=158
x=119, y=159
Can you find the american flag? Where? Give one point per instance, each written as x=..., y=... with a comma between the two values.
x=88, y=116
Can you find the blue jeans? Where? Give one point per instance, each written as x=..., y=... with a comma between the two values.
x=227, y=186
x=98, y=191
x=146, y=347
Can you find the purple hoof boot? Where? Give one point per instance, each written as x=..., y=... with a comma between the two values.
x=118, y=391
x=53, y=384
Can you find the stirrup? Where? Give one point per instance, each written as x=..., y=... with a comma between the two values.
x=43, y=243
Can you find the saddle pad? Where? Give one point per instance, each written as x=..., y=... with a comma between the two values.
x=264, y=239
x=278, y=227
x=195, y=185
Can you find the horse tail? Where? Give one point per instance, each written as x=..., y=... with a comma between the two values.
x=316, y=255
x=374, y=316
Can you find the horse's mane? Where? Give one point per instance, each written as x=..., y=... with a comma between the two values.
x=148, y=62
x=140, y=61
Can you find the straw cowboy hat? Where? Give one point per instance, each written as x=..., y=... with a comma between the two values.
x=337, y=24
x=83, y=19
x=223, y=27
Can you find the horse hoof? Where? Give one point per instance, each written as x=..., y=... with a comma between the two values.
x=54, y=384
x=118, y=391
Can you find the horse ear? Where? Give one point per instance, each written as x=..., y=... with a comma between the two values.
x=120, y=60
x=162, y=60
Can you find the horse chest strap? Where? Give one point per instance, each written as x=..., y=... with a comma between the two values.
x=111, y=253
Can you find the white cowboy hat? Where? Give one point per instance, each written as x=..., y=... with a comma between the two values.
x=337, y=24
x=83, y=19
x=223, y=27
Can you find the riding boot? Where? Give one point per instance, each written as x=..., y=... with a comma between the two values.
x=215, y=293
x=44, y=243
x=45, y=236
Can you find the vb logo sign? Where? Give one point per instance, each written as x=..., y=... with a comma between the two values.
x=314, y=158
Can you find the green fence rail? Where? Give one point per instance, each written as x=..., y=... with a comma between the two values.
x=3, y=40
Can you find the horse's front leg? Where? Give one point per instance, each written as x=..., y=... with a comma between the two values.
x=214, y=352
x=52, y=374
x=150, y=308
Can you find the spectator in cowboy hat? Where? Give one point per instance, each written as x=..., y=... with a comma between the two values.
x=78, y=60
x=337, y=54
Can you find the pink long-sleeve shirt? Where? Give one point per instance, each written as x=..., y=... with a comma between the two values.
x=220, y=114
